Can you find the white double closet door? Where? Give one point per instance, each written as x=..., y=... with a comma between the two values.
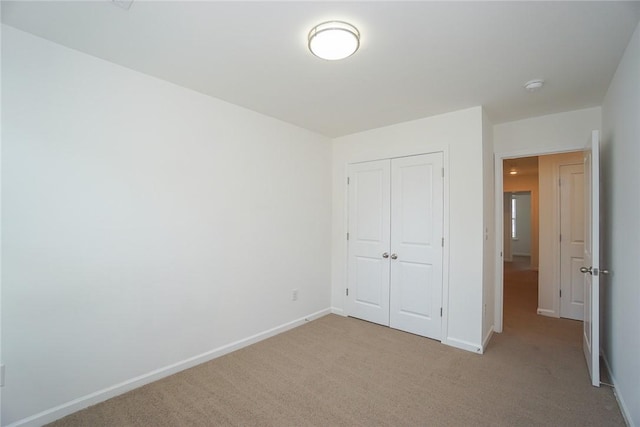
x=395, y=244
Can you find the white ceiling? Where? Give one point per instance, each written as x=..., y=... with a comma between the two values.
x=416, y=59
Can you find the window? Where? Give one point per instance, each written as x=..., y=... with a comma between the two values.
x=514, y=234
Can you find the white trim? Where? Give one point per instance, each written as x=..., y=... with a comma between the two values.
x=548, y=313
x=487, y=338
x=556, y=228
x=463, y=345
x=75, y=405
x=446, y=213
x=499, y=233
x=345, y=243
x=499, y=224
x=626, y=414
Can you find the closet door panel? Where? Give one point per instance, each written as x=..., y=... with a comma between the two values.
x=416, y=244
x=369, y=219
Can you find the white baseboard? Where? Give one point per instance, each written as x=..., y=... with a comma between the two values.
x=486, y=340
x=464, y=345
x=76, y=405
x=545, y=312
x=619, y=398
x=338, y=311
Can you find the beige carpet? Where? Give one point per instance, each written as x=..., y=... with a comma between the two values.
x=339, y=371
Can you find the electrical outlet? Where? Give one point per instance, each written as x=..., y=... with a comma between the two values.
x=294, y=295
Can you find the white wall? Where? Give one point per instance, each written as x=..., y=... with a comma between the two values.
x=621, y=230
x=1, y=210
x=546, y=134
x=488, y=248
x=459, y=135
x=143, y=225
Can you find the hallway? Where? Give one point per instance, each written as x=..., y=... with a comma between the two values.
x=521, y=303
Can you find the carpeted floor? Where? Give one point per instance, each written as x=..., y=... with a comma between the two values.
x=339, y=371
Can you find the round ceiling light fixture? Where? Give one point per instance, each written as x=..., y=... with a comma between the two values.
x=334, y=40
x=534, y=85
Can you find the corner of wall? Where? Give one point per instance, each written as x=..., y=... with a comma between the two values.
x=489, y=231
x=620, y=230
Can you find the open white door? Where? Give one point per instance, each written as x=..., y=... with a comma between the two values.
x=591, y=268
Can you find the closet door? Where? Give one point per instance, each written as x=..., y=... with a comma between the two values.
x=416, y=244
x=368, y=258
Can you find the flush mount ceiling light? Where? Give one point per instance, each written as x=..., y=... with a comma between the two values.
x=534, y=85
x=334, y=40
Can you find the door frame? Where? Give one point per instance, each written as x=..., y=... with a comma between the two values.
x=499, y=217
x=394, y=154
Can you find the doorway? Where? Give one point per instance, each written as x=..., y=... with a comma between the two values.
x=520, y=237
x=554, y=182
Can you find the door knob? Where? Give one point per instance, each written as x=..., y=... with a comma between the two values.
x=385, y=255
x=604, y=271
x=586, y=270
x=394, y=256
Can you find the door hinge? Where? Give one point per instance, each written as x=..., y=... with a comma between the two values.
x=347, y=291
x=559, y=182
x=560, y=293
x=440, y=311
x=443, y=172
x=560, y=238
x=347, y=235
x=442, y=242
x=348, y=180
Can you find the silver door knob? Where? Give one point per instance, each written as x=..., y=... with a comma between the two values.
x=586, y=270
x=385, y=255
x=604, y=271
x=394, y=256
